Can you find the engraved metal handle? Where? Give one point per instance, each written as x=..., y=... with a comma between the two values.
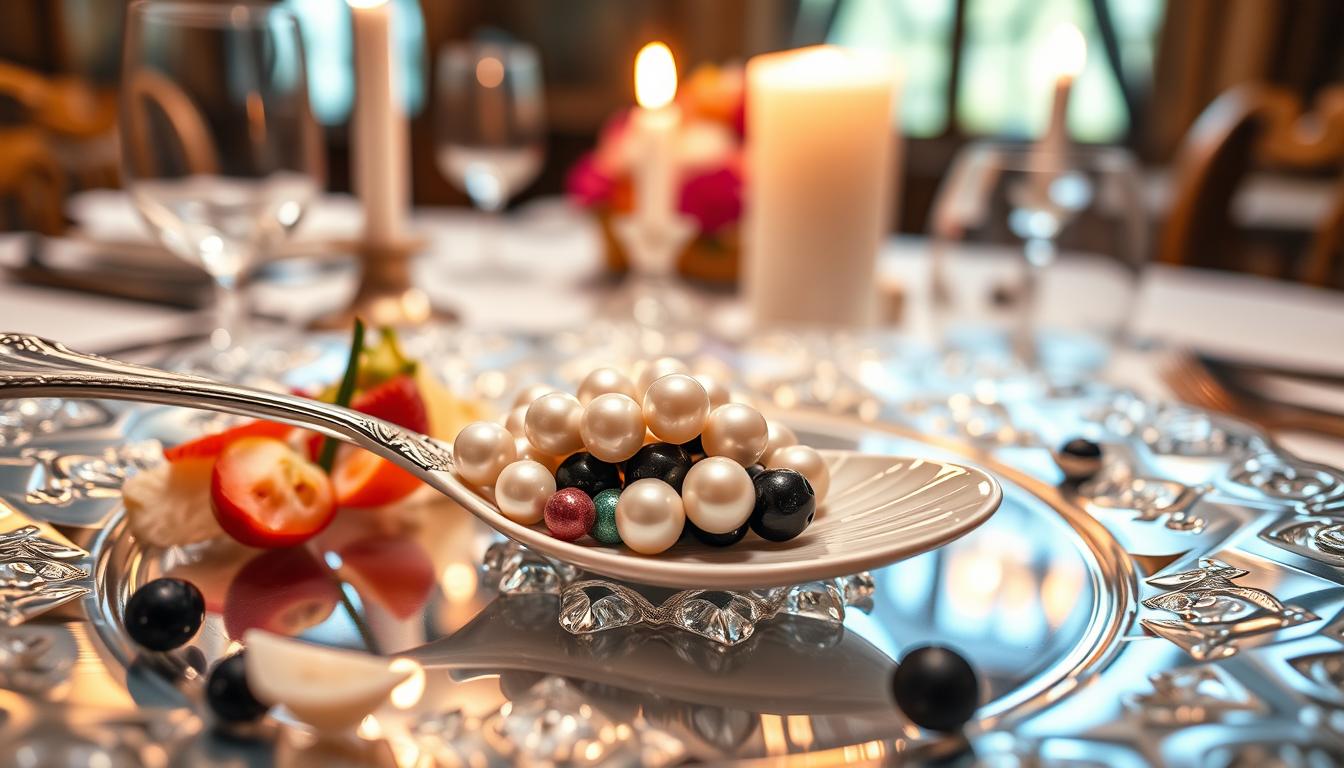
x=31, y=366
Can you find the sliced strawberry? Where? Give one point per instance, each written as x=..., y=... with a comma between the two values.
x=211, y=446
x=396, y=400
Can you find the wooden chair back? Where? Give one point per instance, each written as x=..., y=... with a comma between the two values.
x=1248, y=127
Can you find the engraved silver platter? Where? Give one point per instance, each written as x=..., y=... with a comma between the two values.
x=1183, y=607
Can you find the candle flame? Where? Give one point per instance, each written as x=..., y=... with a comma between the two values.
x=1068, y=50
x=655, y=76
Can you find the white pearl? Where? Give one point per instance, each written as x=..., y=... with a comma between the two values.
x=531, y=392
x=612, y=427
x=718, y=393
x=807, y=462
x=515, y=420
x=718, y=495
x=780, y=436
x=481, y=450
x=522, y=491
x=602, y=381
x=649, y=371
x=675, y=408
x=552, y=424
x=649, y=516
x=528, y=451
x=736, y=431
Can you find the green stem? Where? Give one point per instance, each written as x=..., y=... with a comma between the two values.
x=346, y=392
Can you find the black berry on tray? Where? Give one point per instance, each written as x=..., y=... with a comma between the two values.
x=587, y=473
x=164, y=613
x=1079, y=459
x=659, y=461
x=936, y=688
x=785, y=504
x=229, y=696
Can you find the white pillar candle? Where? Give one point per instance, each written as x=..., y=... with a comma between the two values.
x=655, y=122
x=821, y=161
x=379, y=142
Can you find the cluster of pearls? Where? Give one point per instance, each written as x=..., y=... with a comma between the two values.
x=644, y=424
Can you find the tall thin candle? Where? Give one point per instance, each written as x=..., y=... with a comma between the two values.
x=380, y=160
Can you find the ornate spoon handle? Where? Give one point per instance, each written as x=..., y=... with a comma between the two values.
x=35, y=367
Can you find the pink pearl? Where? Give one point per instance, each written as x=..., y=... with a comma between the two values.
x=603, y=381
x=481, y=451
x=552, y=424
x=736, y=431
x=612, y=427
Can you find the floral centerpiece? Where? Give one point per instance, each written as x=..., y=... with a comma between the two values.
x=709, y=153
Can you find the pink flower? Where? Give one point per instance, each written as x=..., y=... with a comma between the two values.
x=713, y=198
x=586, y=184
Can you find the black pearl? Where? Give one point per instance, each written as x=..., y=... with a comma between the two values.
x=164, y=614
x=228, y=694
x=717, y=539
x=695, y=447
x=936, y=688
x=660, y=461
x=754, y=470
x=587, y=473
x=785, y=504
x=1079, y=459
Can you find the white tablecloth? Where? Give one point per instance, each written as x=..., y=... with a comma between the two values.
x=543, y=272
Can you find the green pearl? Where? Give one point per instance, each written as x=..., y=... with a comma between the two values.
x=604, y=530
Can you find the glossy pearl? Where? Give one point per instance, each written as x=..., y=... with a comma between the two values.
x=779, y=436
x=526, y=450
x=785, y=505
x=604, y=530
x=530, y=393
x=936, y=688
x=603, y=381
x=522, y=490
x=675, y=408
x=718, y=495
x=806, y=461
x=481, y=451
x=718, y=393
x=659, y=461
x=569, y=514
x=612, y=427
x=719, y=539
x=515, y=420
x=649, y=516
x=587, y=473
x=552, y=424
x=649, y=371
x=737, y=432
x=1079, y=459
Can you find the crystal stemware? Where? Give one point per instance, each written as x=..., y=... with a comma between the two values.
x=219, y=149
x=490, y=122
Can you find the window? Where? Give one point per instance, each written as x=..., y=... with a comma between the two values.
x=1004, y=85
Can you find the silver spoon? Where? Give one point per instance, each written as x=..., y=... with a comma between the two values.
x=880, y=508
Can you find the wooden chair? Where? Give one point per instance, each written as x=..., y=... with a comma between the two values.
x=66, y=138
x=1249, y=127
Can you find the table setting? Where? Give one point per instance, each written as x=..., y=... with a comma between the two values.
x=697, y=463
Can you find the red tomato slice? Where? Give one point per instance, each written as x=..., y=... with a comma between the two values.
x=210, y=446
x=264, y=494
x=362, y=479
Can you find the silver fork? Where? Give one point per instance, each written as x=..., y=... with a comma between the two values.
x=1192, y=382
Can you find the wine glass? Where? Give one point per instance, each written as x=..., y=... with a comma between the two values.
x=1036, y=254
x=490, y=121
x=219, y=149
